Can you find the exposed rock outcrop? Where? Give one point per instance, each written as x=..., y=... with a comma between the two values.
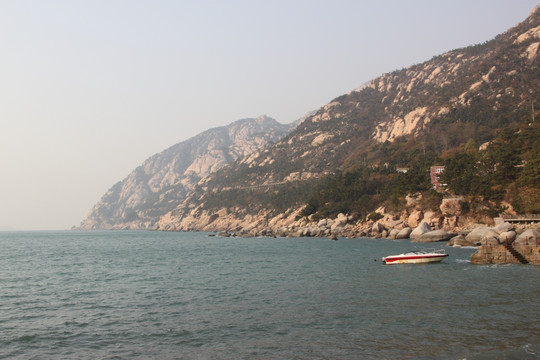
x=530, y=236
x=475, y=236
x=507, y=236
x=458, y=241
x=434, y=236
x=163, y=181
x=452, y=207
x=498, y=246
x=420, y=230
x=404, y=233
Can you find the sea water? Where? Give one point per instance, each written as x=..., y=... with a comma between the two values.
x=139, y=295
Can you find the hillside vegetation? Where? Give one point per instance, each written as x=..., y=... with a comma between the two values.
x=506, y=172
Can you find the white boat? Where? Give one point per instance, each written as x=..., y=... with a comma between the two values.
x=416, y=257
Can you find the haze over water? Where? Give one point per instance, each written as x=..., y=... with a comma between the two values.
x=127, y=295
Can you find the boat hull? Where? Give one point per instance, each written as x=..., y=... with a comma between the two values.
x=414, y=259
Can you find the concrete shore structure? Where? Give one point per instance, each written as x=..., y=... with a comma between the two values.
x=501, y=254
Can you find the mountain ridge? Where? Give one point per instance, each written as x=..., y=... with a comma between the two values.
x=462, y=95
x=164, y=179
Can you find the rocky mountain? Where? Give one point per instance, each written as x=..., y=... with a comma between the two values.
x=464, y=95
x=163, y=180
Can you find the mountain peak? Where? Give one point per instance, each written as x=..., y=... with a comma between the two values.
x=163, y=180
x=535, y=11
x=264, y=117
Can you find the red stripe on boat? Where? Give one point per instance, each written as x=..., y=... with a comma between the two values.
x=392, y=259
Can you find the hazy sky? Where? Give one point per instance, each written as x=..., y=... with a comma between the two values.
x=89, y=89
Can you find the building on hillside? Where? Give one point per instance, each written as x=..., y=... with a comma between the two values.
x=402, y=170
x=435, y=172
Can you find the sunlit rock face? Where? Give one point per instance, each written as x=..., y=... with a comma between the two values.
x=164, y=179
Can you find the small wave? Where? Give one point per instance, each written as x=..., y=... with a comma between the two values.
x=28, y=338
x=76, y=324
x=527, y=351
x=531, y=349
x=24, y=339
x=463, y=261
x=494, y=266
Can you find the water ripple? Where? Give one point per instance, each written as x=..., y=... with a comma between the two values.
x=138, y=295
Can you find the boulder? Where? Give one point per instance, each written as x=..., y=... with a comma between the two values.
x=528, y=237
x=507, y=236
x=433, y=236
x=393, y=233
x=451, y=222
x=336, y=225
x=431, y=217
x=452, y=207
x=342, y=218
x=420, y=230
x=459, y=240
x=322, y=223
x=391, y=223
x=489, y=241
x=503, y=227
x=415, y=218
x=362, y=233
x=315, y=232
x=479, y=233
x=377, y=228
x=381, y=210
x=404, y=233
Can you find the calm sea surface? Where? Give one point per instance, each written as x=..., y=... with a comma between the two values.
x=139, y=295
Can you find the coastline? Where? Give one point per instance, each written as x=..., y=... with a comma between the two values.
x=497, y=241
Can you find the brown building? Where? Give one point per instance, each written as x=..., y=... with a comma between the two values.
x=435, y=172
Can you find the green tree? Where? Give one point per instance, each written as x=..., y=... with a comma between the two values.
x=460, y=173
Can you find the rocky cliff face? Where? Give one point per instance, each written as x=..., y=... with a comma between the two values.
x=486, y=86
x=162, y=181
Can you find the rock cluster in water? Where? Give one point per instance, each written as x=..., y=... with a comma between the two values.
x=508, y=247
x=417, y=225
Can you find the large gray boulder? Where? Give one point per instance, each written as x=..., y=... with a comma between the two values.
x=528, y=237
x=507, y=236
x=377, y=228
x=420, y=230
x=489, y=241
x=404, y=233
x=433, y=236
x=479, y=233
x=391, y=223
x=459, y=240
x=503, y=227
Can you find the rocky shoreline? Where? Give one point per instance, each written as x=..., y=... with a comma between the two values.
x=450, y=224
x=499, y=244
